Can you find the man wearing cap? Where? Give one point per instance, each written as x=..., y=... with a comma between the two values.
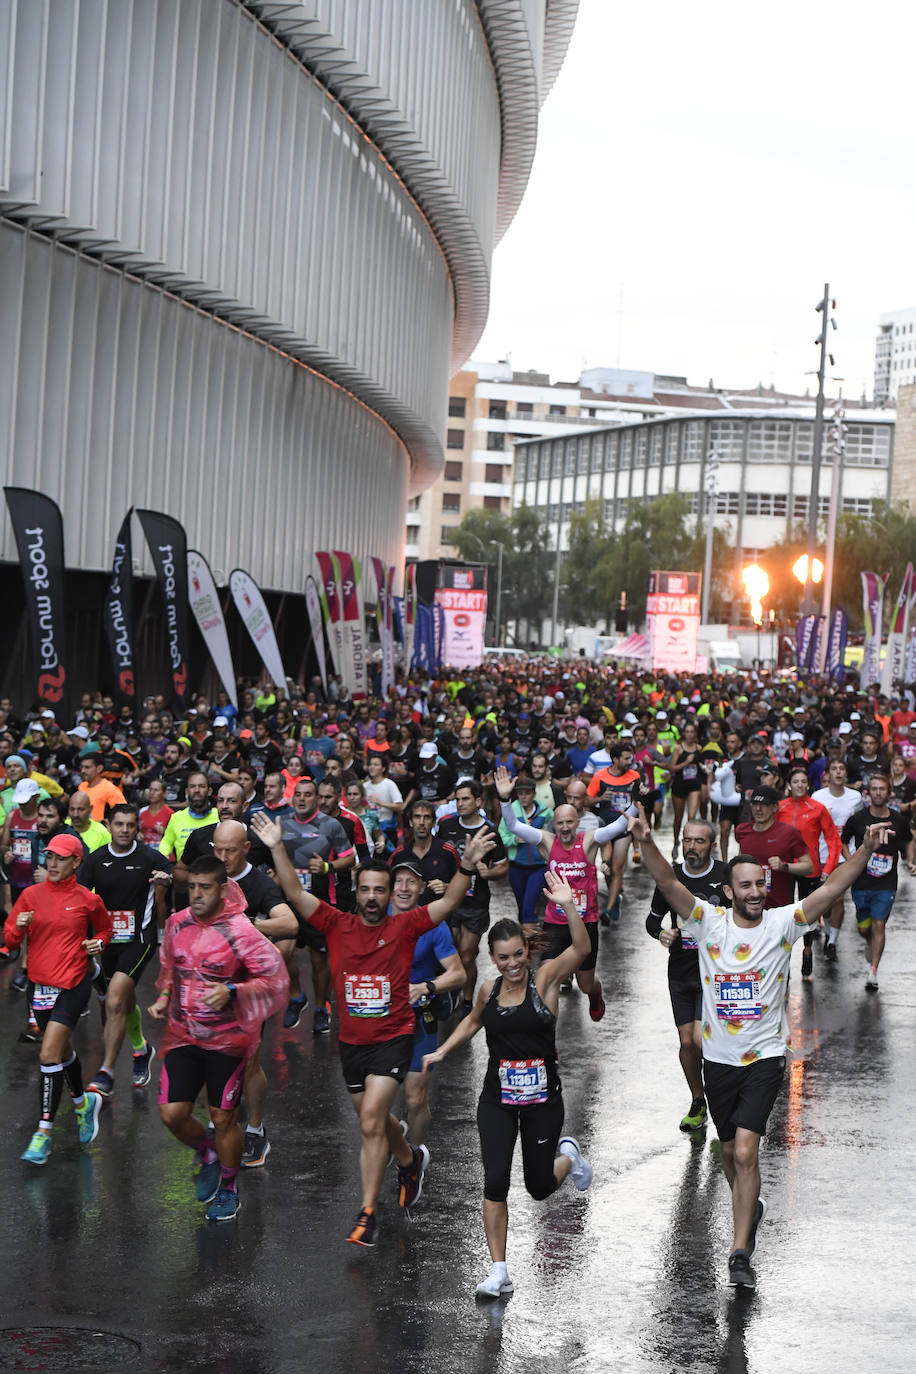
x=778, y=848
x=18, y=830
x=749, y=765
x=18, y=767
x=66, y=926
x=435, y=780
x=102, y=792
x=435, y=974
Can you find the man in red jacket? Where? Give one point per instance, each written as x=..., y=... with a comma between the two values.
x=66, y=924
x=814, y=823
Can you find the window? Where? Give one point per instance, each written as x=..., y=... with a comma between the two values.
x=608, y=512
x=524, y=408
x=553, y=511
x=853, y=505
x=769, y=441
x=800, y=507
x=671, y=434
x=457, y=407
x=626, y=449
x=642, y=443
x=454, y=438
x=451, y=502
x=728, y=437
x=497, y=410
x=556, y=460
x=492, y=503
x=494, y=472
x=413, y=503
x=655, y=448
x=867, y=446
x=445, y=534
x=544, y=470
x=585, y=448
x=557, y=410
x=454, y=472
x=804, y=442
x=727, y=503
x=496, y=441
x=693, y=441
x=766, y=503
x=521, y=464
x=570, y=463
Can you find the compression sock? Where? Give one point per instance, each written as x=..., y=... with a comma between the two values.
x=228, y=1178
x=206, y=1152
x=134, y=1027
x=52, y=1086
x=73, y=1076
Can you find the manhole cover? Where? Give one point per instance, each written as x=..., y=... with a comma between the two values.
x=62, y=1347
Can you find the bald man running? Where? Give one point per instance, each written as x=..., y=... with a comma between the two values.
x=572, y=855
x=270, y=913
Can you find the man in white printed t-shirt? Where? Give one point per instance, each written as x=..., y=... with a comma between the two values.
x=841, y=801
x=744, y=953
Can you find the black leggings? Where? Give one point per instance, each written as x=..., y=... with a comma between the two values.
x=499, y=1128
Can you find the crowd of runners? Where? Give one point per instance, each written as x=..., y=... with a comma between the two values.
x=305, y=853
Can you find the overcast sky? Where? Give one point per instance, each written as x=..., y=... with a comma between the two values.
x=702, y=170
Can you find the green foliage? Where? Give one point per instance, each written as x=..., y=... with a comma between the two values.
x=528, y=563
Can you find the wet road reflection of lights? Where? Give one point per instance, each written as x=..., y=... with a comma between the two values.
x=630, y=1276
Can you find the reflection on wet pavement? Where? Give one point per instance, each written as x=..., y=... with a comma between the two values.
x=629, y=1276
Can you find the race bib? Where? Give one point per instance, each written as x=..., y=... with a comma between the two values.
x=523, y=1082
x=22, y=848
x=122, y=926
x=738, y=996
x=580, y=901
x=879, y=865
x=367, y=994
x=44, y=996
x=690, y=771
x=305, y=879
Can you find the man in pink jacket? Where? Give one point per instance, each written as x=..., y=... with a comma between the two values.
x=219, y=981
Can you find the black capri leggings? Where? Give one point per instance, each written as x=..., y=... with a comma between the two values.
x=499, y=1128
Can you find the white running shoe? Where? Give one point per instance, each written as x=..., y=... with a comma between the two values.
x=495, y=1284
x=581, y=1171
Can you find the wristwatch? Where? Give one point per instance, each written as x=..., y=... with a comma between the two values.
x=232, y=991
x=431, y=987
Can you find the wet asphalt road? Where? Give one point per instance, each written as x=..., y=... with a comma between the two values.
x=629, y=1276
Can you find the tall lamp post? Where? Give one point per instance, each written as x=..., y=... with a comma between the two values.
x=712, y=487
x=824, y=307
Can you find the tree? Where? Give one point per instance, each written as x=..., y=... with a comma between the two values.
x=527, y=562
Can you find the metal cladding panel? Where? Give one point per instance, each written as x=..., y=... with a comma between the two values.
x=114, y=393
x=419, y=79
x=179, y=140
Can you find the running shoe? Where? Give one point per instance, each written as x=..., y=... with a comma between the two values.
x=142, y=1062
x=760, y=1211
x=807, y=962
x=225, y=1206
x=364, y=1229
x=596, y=1007
x=740, y=1273
x=29, y=1036
x=255, y=1150
x=39, y=1148
x=102, y=1083
x=495, y=1284
x=604, y=918
x=830, y=953
x=88, y=1116
x=294, y=1009
x=581, y=1171
x=20, y=980
x=871, y=980
x=207, y=1182
x=614, y=911
x=321, y=1021
x=696, y=1117
x=410, y=1179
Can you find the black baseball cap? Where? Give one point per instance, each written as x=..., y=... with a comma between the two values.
x=767, y=796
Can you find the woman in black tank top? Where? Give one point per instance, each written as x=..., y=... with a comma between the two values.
x=521, y=1090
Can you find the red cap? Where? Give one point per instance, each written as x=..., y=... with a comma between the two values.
x=67, y=846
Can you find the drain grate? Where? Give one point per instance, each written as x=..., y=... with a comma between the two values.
x=63, y=1347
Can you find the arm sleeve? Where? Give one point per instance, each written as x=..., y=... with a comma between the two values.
x=519, y=828
x=613, y=831
x=658, y=910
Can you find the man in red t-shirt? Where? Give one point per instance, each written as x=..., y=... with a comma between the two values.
x=370, y=954
x=778, y=848
x=901, y=720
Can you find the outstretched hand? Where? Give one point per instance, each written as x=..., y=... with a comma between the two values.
x=557, y=889
x=267, y=831
x=505, y=784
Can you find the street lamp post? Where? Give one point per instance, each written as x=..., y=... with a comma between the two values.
x=824, y=306
x=712, y=487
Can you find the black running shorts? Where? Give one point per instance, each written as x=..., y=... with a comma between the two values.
x=386, y=1059
x=559, y=938
x=130, y=958
x=739, y=1096
x=686, y=1000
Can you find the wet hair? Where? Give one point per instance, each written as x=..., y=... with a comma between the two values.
x=739, y=859
x=60, y=805
x=122, y=807
x=470, y=785
x=332, y=782
x=506, y=929
x=372, y=866
x=209, y=867
x=707, y=825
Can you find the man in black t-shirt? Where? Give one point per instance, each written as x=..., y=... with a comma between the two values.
x=472, y=916
x=268, y=911
x=434, y=779
x=874, y=892
x=703, y=875
x=132, y=880
x=434, y=857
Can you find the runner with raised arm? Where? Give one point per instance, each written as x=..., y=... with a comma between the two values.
x=571, y=854
x=744, y=953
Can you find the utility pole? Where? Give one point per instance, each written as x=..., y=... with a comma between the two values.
x=837, y=444
x=712, y=487
x=556, y=589
x=823, y=307
x=499, y=590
